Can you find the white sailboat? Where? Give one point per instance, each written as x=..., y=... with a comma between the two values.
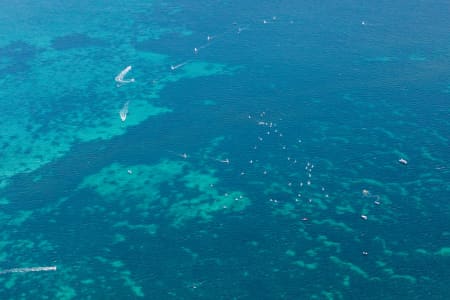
x=120, y=77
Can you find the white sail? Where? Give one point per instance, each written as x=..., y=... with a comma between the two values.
x=120, y=77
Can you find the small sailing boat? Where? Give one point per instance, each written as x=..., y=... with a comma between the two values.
x=120, y=77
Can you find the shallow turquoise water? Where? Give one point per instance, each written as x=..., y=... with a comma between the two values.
x=264, y=165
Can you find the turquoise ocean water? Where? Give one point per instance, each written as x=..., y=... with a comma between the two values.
x=259, y=156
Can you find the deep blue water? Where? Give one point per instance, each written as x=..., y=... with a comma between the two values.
x=265, y=166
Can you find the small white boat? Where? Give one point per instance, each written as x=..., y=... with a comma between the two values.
x=403, y=161
x=124, y=111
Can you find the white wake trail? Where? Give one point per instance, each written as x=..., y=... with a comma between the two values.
x=26, y=270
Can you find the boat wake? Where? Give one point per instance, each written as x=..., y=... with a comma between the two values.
x=27, y=270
